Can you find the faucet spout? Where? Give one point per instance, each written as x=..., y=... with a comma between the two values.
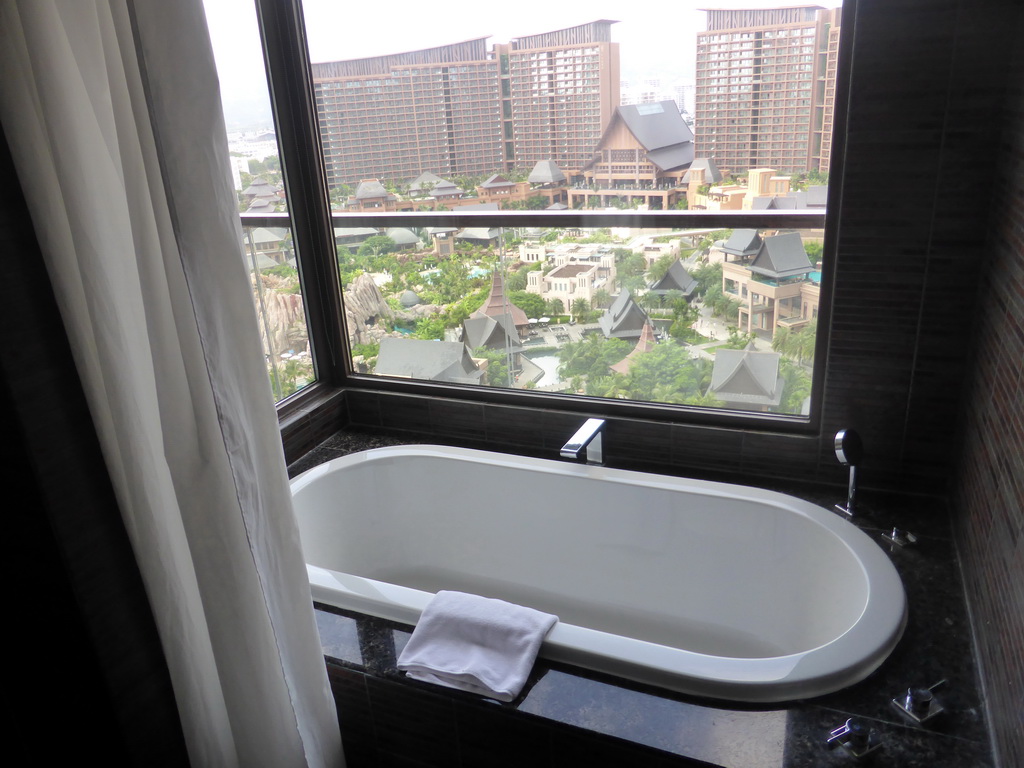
x=588, y=439
x=849, y=451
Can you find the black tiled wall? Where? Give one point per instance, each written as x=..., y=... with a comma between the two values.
x=990, y=494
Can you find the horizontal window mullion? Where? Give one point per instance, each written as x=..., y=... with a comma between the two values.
x=586, y=220
x=599, y=220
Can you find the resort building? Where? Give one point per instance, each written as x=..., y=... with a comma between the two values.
x=766, y=87
x=773, y=279
x=642, y=159
x=268, y=245
x=766, y=189
x=432, y=187
x=500, y=190
x=579, y=272
x=464, y=110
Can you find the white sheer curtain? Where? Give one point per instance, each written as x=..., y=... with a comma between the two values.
x=112, y=112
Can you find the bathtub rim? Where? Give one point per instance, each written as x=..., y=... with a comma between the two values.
x=806, y=674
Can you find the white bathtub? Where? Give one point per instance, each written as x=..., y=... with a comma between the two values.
x=705, y=588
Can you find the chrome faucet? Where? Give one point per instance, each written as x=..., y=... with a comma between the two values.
x=849, y=451
x=588, y=438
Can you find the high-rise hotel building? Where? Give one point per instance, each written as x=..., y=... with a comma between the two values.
x=765, y=88
x=461, y=109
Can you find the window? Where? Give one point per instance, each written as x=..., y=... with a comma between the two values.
x=466, y=233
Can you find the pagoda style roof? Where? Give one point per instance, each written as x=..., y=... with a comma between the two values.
x=624, y=319
x=645, y=344
x=814, y=197
x=498, y=305
x=262, y=205
x=268, y=234
x=744, y=242
x=776, y=203
x=403, y=236
x=711, y=173
x=370, y=188
x=497, y=180
x=781, y=256
x=661, y=130
x=427, y=359
x=745, y=377
x=491, y=332
x=355, y=232
x=658, y=128
x=433, y=185
x=260, y=187
x=675, y=279
x=546, y=172
x=479, y=233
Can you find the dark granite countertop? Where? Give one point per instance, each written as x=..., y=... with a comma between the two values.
x=935, y=647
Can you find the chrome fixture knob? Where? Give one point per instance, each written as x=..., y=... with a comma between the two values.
x=849, y=450
x=849, y=447
x=919, y=704
x=919, y=701
x=855, y=737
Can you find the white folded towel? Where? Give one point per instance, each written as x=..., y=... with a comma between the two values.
x=476, y=644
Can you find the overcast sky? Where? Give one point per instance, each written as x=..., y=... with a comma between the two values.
x=656, y=40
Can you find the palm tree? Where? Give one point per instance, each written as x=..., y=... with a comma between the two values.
x=804, y=347
x=579, y=308
x=782, y=341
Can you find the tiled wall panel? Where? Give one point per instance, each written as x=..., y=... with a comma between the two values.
x=991, y=483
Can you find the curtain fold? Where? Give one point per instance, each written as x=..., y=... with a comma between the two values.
x=112, y=112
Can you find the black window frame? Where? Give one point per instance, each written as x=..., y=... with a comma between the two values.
x=312, y=223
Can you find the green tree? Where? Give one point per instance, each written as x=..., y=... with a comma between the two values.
x=451, y=282
x=722, y=304
x=531, y=303
x=707, y=276
x=667, y=374
x=738, y=339
x=497, y=367
x=430, y=328
x=814, y=251
x=660, y=267
x=555, y=306
x=376, y=245
x=806, y=338
x=579, y=308
x=517, y=280
x=591, y=356
x=796, y=387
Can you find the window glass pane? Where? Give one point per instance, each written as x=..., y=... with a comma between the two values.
x=554, y=108
x=259, y=186
x=667, y=317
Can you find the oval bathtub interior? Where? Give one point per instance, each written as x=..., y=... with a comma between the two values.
x=742, y=589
